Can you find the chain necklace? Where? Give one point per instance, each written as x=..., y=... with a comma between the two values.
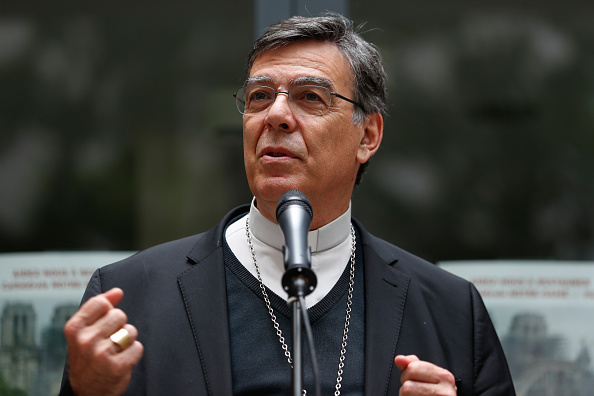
x=275, y=323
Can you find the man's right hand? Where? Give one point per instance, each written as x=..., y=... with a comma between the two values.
x=98, y=366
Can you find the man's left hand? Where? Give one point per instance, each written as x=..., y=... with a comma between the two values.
x=421, y=378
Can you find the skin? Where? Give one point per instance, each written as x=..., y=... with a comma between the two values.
x=97, y=365
x=321, y=154
x=318, y=155
x=423, y=378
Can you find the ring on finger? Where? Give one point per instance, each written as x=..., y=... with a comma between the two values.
x=121, y=338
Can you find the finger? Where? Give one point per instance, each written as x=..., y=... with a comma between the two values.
x=419, y=371
x=128, y=357
x=109, y=323
x=134, y=353
x=120, y=357
x=114, y=295
x=96, y=336
x=106, y=369
x=411, y=388
x=125, y=360
x=403, y=361
x=132, y=335
x=98, y=306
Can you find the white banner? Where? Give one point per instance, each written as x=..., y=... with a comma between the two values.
x=543, y=312
x=38, y=294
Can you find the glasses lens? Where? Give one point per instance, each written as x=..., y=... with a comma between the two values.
x=310, y=99
x=303, y=99
x=240, y=100
x=254, y=99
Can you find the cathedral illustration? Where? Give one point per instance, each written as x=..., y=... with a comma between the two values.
x=25, y=364
x=538, y=360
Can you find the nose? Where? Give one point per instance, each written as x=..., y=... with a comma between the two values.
x=280, y=115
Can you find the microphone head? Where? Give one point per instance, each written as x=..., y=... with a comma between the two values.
x=293, y=197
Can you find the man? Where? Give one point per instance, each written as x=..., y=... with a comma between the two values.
x=206, y=315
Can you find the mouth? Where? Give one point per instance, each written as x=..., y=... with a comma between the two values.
x=277, y=152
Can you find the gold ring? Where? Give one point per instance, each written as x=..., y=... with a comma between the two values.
x=122, y=338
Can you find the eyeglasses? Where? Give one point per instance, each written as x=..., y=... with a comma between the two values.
x=309, y=100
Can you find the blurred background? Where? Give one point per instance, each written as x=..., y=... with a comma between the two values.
x=118, y=128
x=118, y=131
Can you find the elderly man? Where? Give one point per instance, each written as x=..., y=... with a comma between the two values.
x=207, y=315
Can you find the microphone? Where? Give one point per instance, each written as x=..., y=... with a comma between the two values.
x=294, y=216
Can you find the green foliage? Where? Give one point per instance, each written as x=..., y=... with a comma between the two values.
x=6, y=390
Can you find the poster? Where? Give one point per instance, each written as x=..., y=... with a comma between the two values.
x=38, y=294
x=543, y=312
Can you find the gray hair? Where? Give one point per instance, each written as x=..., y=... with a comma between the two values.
x=363, y=57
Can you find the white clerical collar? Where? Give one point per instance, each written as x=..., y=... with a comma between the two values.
x=330, y=245
x=324, y=238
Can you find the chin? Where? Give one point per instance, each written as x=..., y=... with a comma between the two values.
x=272, y=189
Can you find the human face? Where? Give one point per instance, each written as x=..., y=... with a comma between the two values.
x=318, y=155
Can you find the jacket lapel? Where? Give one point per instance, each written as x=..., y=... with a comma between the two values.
x=203, y=288
x=385, y=294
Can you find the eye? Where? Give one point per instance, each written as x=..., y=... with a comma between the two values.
x=258, y=98
x=311, y=99
x=259, y=94
x=311, y=96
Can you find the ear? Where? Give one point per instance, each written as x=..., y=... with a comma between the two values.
x=373, y=131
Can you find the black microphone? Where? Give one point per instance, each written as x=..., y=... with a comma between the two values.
x=294, y=216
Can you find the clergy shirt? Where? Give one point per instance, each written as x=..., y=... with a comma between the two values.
x=330, y=248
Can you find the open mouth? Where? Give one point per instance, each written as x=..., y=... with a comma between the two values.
x=276, y=155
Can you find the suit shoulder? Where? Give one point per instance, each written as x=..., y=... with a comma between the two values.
x=174, y=256
x=411, y=264
x=171, y=252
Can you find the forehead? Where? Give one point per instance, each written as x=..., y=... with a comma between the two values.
x=292, y=62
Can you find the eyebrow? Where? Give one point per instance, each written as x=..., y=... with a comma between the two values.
x=310, y=80
x=305, y=80
x=258, y=80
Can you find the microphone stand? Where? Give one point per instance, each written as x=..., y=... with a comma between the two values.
x=298, y=282
x=294, y=216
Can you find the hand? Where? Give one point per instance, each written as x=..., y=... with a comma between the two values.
x=423, y=378
x=98, y=366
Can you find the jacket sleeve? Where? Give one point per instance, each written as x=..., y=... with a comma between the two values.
x=491, y=372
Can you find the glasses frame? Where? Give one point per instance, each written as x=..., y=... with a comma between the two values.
x=276, y=93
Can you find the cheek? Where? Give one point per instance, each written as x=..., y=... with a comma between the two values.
x=249, y=137
x=247, y=150
x=341, y=140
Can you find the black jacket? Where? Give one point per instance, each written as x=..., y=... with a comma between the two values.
x=175, y=296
